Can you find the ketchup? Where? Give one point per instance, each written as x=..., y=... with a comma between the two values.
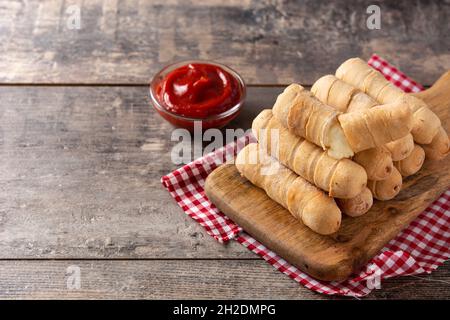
x=199, y=90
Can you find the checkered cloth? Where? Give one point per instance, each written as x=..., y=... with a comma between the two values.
x=420, y=248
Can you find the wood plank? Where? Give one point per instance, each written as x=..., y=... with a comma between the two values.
x=80, y=176
x=267, y=41
x=186, y=279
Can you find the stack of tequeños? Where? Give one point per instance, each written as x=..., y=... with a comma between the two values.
x=333, y=149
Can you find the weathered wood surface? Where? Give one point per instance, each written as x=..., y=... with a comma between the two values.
x=80, y=169
x=186, y=279
x=266, y=41
x=80, y=176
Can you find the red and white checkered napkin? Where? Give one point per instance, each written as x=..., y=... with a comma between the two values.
x=420, y=248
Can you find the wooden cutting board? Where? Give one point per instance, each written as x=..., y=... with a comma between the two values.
x=337, y=256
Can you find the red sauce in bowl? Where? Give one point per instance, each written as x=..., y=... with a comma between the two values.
x=198, y=91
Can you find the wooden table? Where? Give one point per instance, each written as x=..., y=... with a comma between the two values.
x=83, y=152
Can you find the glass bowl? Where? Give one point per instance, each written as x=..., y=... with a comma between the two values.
x=214, y=121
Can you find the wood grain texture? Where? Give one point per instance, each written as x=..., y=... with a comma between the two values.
x=80, y=169
x=186, y=279
x=51, y=135
x=266, y=41
x=434, y=95
x=80, y=176
x=337, y=256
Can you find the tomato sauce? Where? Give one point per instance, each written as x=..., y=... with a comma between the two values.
x=199, y=91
